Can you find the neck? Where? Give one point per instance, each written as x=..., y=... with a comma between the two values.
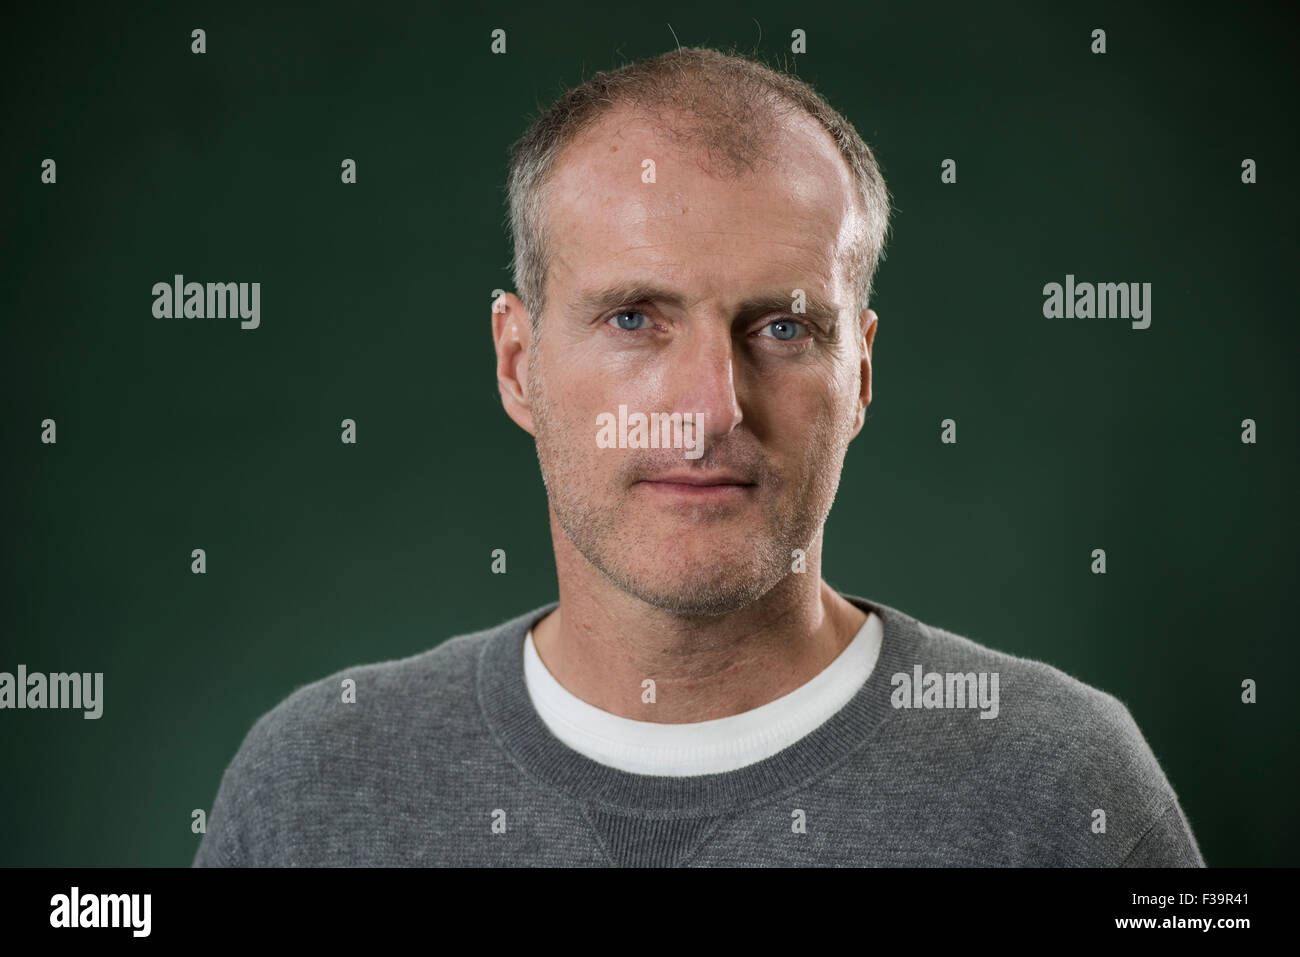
x=601, y=643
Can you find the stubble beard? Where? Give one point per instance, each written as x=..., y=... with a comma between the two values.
x=682, y=581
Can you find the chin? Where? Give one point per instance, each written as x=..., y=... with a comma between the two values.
x=716, y=589
x=694, y=603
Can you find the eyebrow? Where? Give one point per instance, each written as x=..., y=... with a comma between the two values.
x=633, y=292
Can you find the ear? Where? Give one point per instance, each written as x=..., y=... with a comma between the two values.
x=867, y=336
x=512, y=329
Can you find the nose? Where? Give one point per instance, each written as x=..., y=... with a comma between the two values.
x=702, y=378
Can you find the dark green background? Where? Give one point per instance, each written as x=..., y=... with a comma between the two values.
x=1074, y=434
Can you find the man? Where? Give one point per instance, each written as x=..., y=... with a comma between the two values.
x=695, y=238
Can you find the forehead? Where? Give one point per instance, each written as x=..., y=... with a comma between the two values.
x=788, y=222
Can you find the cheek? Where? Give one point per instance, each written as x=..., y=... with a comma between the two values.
x=568, y=429
x=819, y=402
x=842, y=396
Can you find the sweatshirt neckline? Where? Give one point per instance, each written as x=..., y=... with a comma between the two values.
x=519, y=730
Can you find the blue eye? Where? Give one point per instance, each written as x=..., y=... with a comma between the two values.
x=619, y=324
x=788, y=329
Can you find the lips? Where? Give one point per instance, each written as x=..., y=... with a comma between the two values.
x=699, y=479
x=714, y=489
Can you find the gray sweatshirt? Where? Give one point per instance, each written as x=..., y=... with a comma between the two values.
x=951, y=754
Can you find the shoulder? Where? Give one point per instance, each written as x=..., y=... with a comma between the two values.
x=1060, y=766
x=358, y=734
x=1068, y=727
x=368, y=702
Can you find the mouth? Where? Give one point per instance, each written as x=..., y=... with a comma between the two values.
x=698, y=489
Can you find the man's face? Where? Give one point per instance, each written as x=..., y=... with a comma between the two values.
x=778, y=394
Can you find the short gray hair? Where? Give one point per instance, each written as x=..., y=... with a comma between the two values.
x=723, y=98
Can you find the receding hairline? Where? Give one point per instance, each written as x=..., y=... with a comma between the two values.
x=715, y=104
x=692, y=139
